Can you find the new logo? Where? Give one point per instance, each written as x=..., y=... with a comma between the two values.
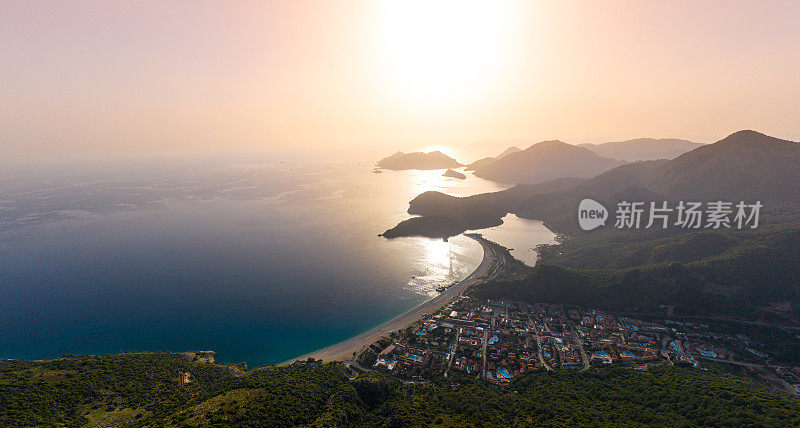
x=591, y=214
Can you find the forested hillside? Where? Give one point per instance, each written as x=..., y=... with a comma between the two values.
x=699, y=270
x=144, y=390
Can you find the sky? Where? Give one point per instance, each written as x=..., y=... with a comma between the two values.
x=154, y=77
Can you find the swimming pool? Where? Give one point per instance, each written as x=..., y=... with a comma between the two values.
x=388, y=363
x=416, y=358
x=504, y=373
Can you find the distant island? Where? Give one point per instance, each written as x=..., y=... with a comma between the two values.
x=418, y=160
x=454, y=174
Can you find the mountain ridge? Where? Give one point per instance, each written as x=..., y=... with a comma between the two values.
x=639, y=149
x=745, y=165
x=487, y=160
x=544, y=161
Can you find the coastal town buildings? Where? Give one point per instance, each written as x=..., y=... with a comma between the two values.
x=500, y=340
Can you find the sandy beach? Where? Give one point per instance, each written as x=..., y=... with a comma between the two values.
x=344, y=350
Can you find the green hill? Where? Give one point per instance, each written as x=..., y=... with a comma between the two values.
x=143, y=390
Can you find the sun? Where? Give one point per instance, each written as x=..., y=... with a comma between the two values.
x=440, y=52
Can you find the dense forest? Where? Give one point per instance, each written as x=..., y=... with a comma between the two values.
x=144, y=389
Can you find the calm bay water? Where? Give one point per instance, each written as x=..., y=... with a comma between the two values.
x=260, y=261
x=521, y=236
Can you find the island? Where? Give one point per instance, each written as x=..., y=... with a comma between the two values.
x=454, y=174
x=418, y=160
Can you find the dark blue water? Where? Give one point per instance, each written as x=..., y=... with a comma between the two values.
x=258, y=261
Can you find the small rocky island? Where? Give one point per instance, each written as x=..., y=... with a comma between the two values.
x=418, y=160
x=454, y=174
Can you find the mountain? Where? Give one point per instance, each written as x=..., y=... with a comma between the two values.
x=508, y=151
x=480, y=163
x=418, y=160
x=545, y=161
x=745, y=165
x=486, y=161
x=643, y=149
x=606, y=187
x=744, y=273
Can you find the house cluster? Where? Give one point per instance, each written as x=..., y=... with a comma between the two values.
x=499, y=340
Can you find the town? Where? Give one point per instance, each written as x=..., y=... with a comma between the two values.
x=499, y=340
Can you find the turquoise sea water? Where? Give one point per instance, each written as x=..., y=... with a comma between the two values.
x=260, y=260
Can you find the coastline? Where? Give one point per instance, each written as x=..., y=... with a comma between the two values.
x=343, y=351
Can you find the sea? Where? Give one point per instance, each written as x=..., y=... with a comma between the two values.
x=258, y=258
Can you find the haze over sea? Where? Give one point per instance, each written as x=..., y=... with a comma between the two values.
x=260, y=260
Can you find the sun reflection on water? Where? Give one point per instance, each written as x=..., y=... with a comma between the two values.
x=436, y=262
x=432, y=180
x=436, y=265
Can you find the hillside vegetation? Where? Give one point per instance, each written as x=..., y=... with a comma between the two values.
x=143, y=390
x=747, y=273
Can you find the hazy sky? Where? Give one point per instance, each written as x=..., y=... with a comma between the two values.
x=139, y=76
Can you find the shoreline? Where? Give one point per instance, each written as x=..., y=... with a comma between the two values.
x=344, y=350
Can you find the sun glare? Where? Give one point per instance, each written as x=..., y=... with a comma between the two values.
x=440, y=52
x=436, y=263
